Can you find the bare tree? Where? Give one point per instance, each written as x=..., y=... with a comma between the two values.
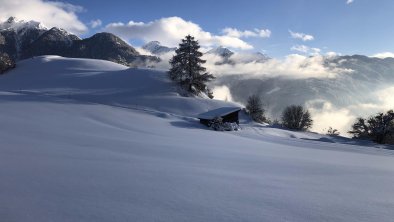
x=296, y=118
x=378, y=128
x=255, y=109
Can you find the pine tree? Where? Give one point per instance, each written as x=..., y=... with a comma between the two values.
x=186, y=67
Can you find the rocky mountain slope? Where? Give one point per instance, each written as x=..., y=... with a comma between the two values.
x=20, y=40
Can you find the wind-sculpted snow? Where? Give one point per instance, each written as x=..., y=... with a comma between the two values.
x=90, y=140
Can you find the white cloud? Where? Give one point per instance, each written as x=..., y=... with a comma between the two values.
x=171, y=30
x=300, y=48
x=222, y=93
x=325, y=115
x=95, y=23
x=263, y=33
x=332, y=54
x=49, y=13
x=384, y=55
x=292, y=66
x=302, y=36
x=306, y=49
x=349, y=2
x=385, y=99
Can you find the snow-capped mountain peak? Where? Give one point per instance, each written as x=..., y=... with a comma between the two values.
x=221, y=51
x=156, y=48
x=152, y=45
x=17, y=25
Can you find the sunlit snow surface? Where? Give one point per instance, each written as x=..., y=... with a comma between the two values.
x=89, y=140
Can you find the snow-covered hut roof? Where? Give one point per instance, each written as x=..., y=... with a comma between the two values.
x=223, y=111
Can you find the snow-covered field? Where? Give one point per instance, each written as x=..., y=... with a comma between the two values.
x=89, y=140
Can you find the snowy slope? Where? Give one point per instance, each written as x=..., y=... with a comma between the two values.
x=102, y=82
x=70, y=153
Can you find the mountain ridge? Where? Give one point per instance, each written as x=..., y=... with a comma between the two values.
x=25, y=39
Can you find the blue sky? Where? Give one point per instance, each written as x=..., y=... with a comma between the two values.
x=361, y=27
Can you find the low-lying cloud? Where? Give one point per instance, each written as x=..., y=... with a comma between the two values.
x=326, y=115
x=383, y=55
x=222, y=93
x=292, y=66
x=246, y=64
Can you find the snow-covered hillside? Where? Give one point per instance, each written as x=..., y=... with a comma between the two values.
x=90, y=140
x=103, y=82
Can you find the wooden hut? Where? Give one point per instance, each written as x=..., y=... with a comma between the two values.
x=228, y=114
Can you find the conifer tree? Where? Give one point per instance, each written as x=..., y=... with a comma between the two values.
x=186, y=67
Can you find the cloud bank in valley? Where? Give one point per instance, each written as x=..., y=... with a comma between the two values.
x=246, y=64
x=325, y=114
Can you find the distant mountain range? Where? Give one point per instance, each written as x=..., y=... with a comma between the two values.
x=21, y=40
x=227, y=56
x=156, y=48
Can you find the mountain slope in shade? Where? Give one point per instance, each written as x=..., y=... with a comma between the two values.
x=17, y=35
x=21, y=40
x=52, y=42
x=109, y=47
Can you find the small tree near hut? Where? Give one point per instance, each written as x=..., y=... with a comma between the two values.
x=255, y=109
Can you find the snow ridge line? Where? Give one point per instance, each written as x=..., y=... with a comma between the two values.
x=131, y=107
